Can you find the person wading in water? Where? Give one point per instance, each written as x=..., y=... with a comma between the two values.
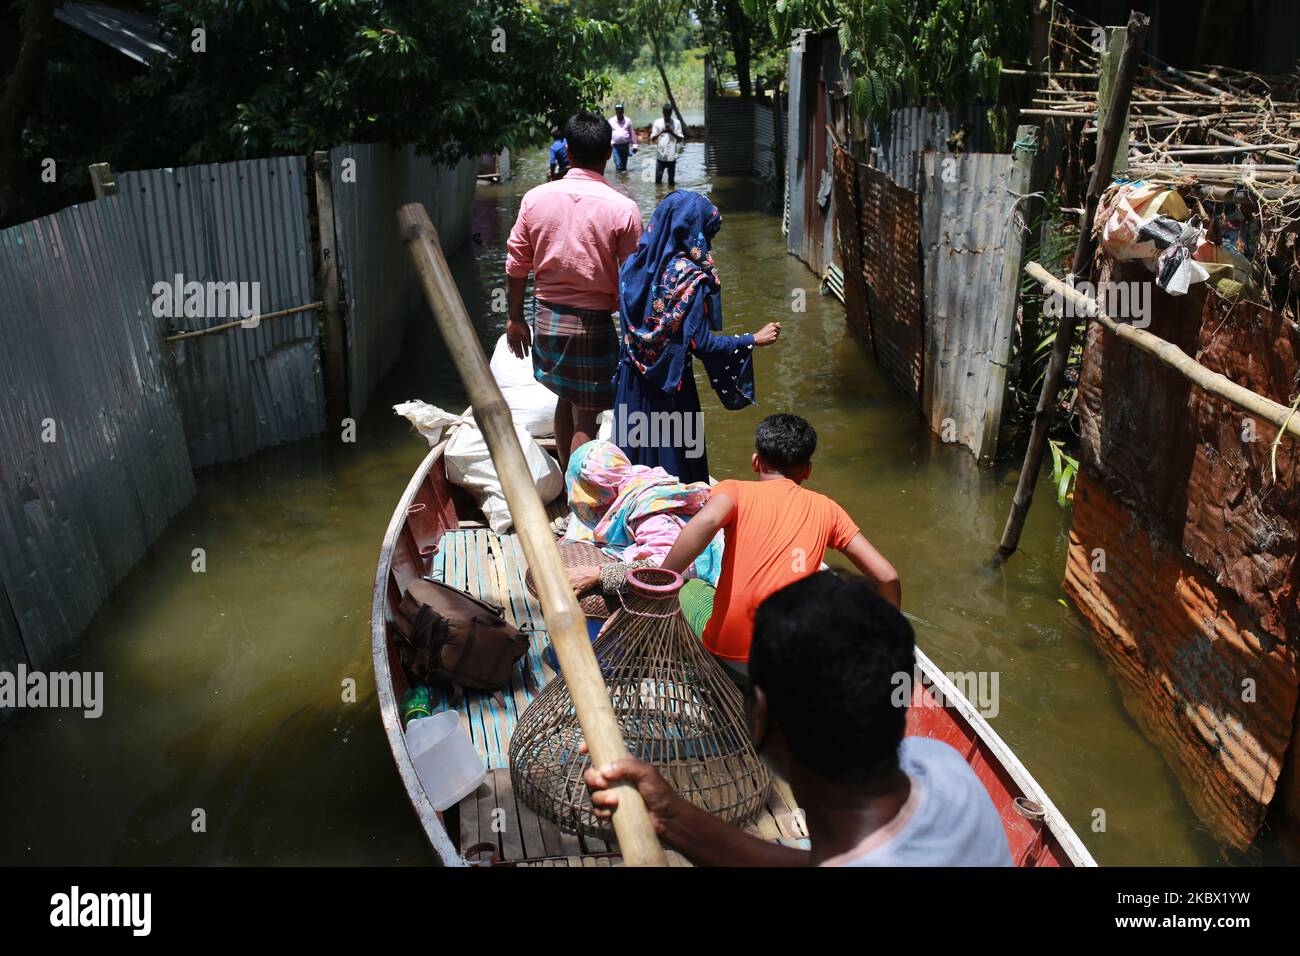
x=670, y=305
x=571, y=236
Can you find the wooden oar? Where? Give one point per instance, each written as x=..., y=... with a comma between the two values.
x=564, y=619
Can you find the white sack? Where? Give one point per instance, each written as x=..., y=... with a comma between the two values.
x=429, y=420
x=532, y=404
x=470, y=465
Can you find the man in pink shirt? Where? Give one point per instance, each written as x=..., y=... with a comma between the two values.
x=624, y=137
x=572, y=235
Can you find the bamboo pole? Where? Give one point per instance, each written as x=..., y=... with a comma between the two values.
x=1224, y=150
x=251, y=322
x=1058, y=114
x=1171, y=355
x=564, y=619
x=1112, y=128
x=1273, y=151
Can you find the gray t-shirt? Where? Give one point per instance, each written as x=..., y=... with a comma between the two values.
x=947, y=820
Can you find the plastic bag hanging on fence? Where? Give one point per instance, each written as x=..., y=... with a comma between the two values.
x=1126, y=209
x=824, y=190
x=1176, y=269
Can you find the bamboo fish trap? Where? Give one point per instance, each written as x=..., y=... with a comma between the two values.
x=674, y=703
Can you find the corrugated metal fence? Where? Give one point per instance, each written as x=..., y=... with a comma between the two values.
x=972, y=247
x=889, y=220
x=381, y=290
x=767, y=160
x=729, y=135
x=740, y=136
x=914, y=131
x=104, y=421
x=247, y=388
x=94, y=460
x=941, y=327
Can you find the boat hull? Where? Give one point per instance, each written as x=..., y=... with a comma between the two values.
x=430, y=508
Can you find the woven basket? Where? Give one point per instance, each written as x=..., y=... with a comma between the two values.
x=576, y=554
x=676, y=706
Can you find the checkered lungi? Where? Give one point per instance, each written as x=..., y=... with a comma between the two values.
x=575, y=354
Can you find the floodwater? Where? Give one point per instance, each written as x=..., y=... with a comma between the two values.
x=229, y=735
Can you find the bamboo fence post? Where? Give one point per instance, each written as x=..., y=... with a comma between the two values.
x=1107, y=79
x=1167, y=353
x=1107, y=143
x=564, y=619
x=336, y=384
x=102, y=181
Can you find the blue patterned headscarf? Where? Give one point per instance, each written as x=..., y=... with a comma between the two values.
x=670, y=297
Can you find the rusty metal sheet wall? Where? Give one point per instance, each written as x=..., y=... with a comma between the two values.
x=1201, y=579
x=889, y=224
x=848, y=239
x=380, y=289
x=795, y=149
x=247, y=388
x=82, y=355
x=914, y=131
x=817, y=180
x=972, y=247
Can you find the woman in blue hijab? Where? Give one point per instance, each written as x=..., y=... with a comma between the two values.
x=670, y=302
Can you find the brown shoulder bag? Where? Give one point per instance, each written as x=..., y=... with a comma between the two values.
x=449, y=636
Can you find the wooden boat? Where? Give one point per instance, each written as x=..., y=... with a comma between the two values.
x=437, y=530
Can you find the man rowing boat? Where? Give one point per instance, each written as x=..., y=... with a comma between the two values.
x=821, y=712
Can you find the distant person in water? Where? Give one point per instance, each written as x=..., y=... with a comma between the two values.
x=668, y=136
x=821, y=712
x=670, y=308
x=571, y=235
x=776, y=532
x=623, y=137
x=559, y=164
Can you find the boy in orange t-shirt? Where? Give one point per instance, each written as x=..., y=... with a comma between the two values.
x=776, y=533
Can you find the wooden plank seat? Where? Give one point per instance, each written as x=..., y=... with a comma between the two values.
x=493, y=567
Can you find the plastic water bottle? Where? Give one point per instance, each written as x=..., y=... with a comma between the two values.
x=416, y=702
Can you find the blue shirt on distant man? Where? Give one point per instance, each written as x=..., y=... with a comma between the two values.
x=559, y=157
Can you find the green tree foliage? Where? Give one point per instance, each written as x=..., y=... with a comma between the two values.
x=657, y=20
x=451, y=77
x=906, y=51
x=729, y=34
x=268, y=77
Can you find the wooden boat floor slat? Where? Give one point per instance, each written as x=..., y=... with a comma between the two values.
x=492, y=566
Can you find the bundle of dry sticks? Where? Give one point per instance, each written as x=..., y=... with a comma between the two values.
x=1229, y=140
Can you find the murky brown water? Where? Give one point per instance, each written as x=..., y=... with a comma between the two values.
x=224, y=690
